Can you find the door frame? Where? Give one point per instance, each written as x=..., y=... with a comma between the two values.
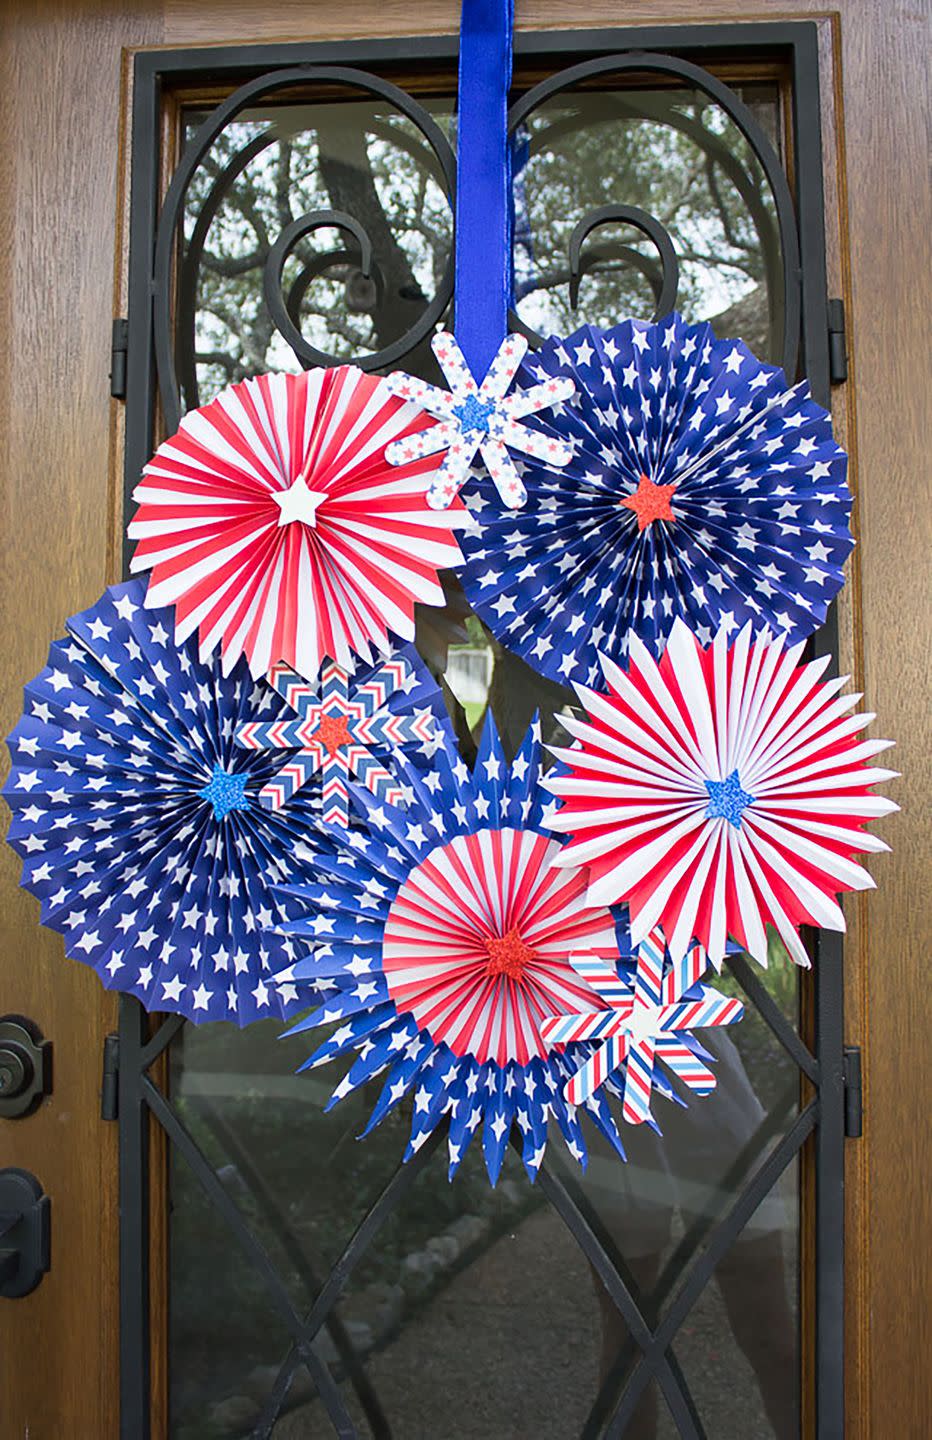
x=64, y=163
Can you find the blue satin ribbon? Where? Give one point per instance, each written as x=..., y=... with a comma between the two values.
x=483, y=182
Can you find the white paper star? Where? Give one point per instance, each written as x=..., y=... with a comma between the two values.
x=298, y=502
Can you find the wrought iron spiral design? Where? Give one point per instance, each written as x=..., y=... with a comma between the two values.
x=175, y=358
x=284, y=311
x=664, y=280
x=777, y=234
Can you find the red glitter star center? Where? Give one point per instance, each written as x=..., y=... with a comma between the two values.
x=332, y=732
x=650, y=502
x=508, y=955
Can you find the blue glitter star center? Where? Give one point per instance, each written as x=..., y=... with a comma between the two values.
x=225, y=792
x=473, y=415
x=727, y=800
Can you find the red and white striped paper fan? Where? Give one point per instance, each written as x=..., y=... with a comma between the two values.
x=274, y=525
x=477, y=941
x=720, y=791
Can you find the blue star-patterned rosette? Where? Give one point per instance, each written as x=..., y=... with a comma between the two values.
x=438, y=939
x=137, y=816
x=700, y=486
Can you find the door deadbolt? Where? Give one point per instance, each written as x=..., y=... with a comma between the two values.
x=25, y=1067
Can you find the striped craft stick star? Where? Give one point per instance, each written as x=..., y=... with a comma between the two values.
x=335, y=735
x=642, y=1024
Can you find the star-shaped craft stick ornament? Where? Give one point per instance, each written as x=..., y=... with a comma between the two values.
x=641, y=1024
x=335, y=734
x=650, y=502
x=480, y=419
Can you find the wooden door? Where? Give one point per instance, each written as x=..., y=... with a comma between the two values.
x=65, y=99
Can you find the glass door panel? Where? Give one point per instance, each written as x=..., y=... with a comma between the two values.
x=317, y=225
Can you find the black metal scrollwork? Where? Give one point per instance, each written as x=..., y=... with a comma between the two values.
x=176, y=359
x=664, y=282
x=285, y=312
x=365, y=281
x=662, y=274
x=778, y=237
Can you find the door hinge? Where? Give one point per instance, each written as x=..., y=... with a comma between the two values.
x=854, y=1105
x=109, y=1084
x=837, y=343
x=118, y=348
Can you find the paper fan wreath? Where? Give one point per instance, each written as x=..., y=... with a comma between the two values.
x=699, y=487
x=274, y=525
x=719, y=791
x=479, y=420
x=438, y=943
x=341, y=729
x=138, y=818
x=643, y=1020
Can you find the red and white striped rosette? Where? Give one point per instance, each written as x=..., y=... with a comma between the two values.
x=476, y=942
x=719, y=791
x=274, y=525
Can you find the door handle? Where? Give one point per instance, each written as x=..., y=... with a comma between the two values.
x=25, y=1233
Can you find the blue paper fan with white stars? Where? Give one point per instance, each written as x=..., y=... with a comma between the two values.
x=700, y=487
x=138, y=821
x=439, y=938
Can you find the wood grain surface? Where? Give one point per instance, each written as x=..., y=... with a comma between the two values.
x=59, y=442
x=60, y=98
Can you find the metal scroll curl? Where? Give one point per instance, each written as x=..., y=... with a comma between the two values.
x=174, y=347
x=285, y=312
x=664, y=278
x=778, y=234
